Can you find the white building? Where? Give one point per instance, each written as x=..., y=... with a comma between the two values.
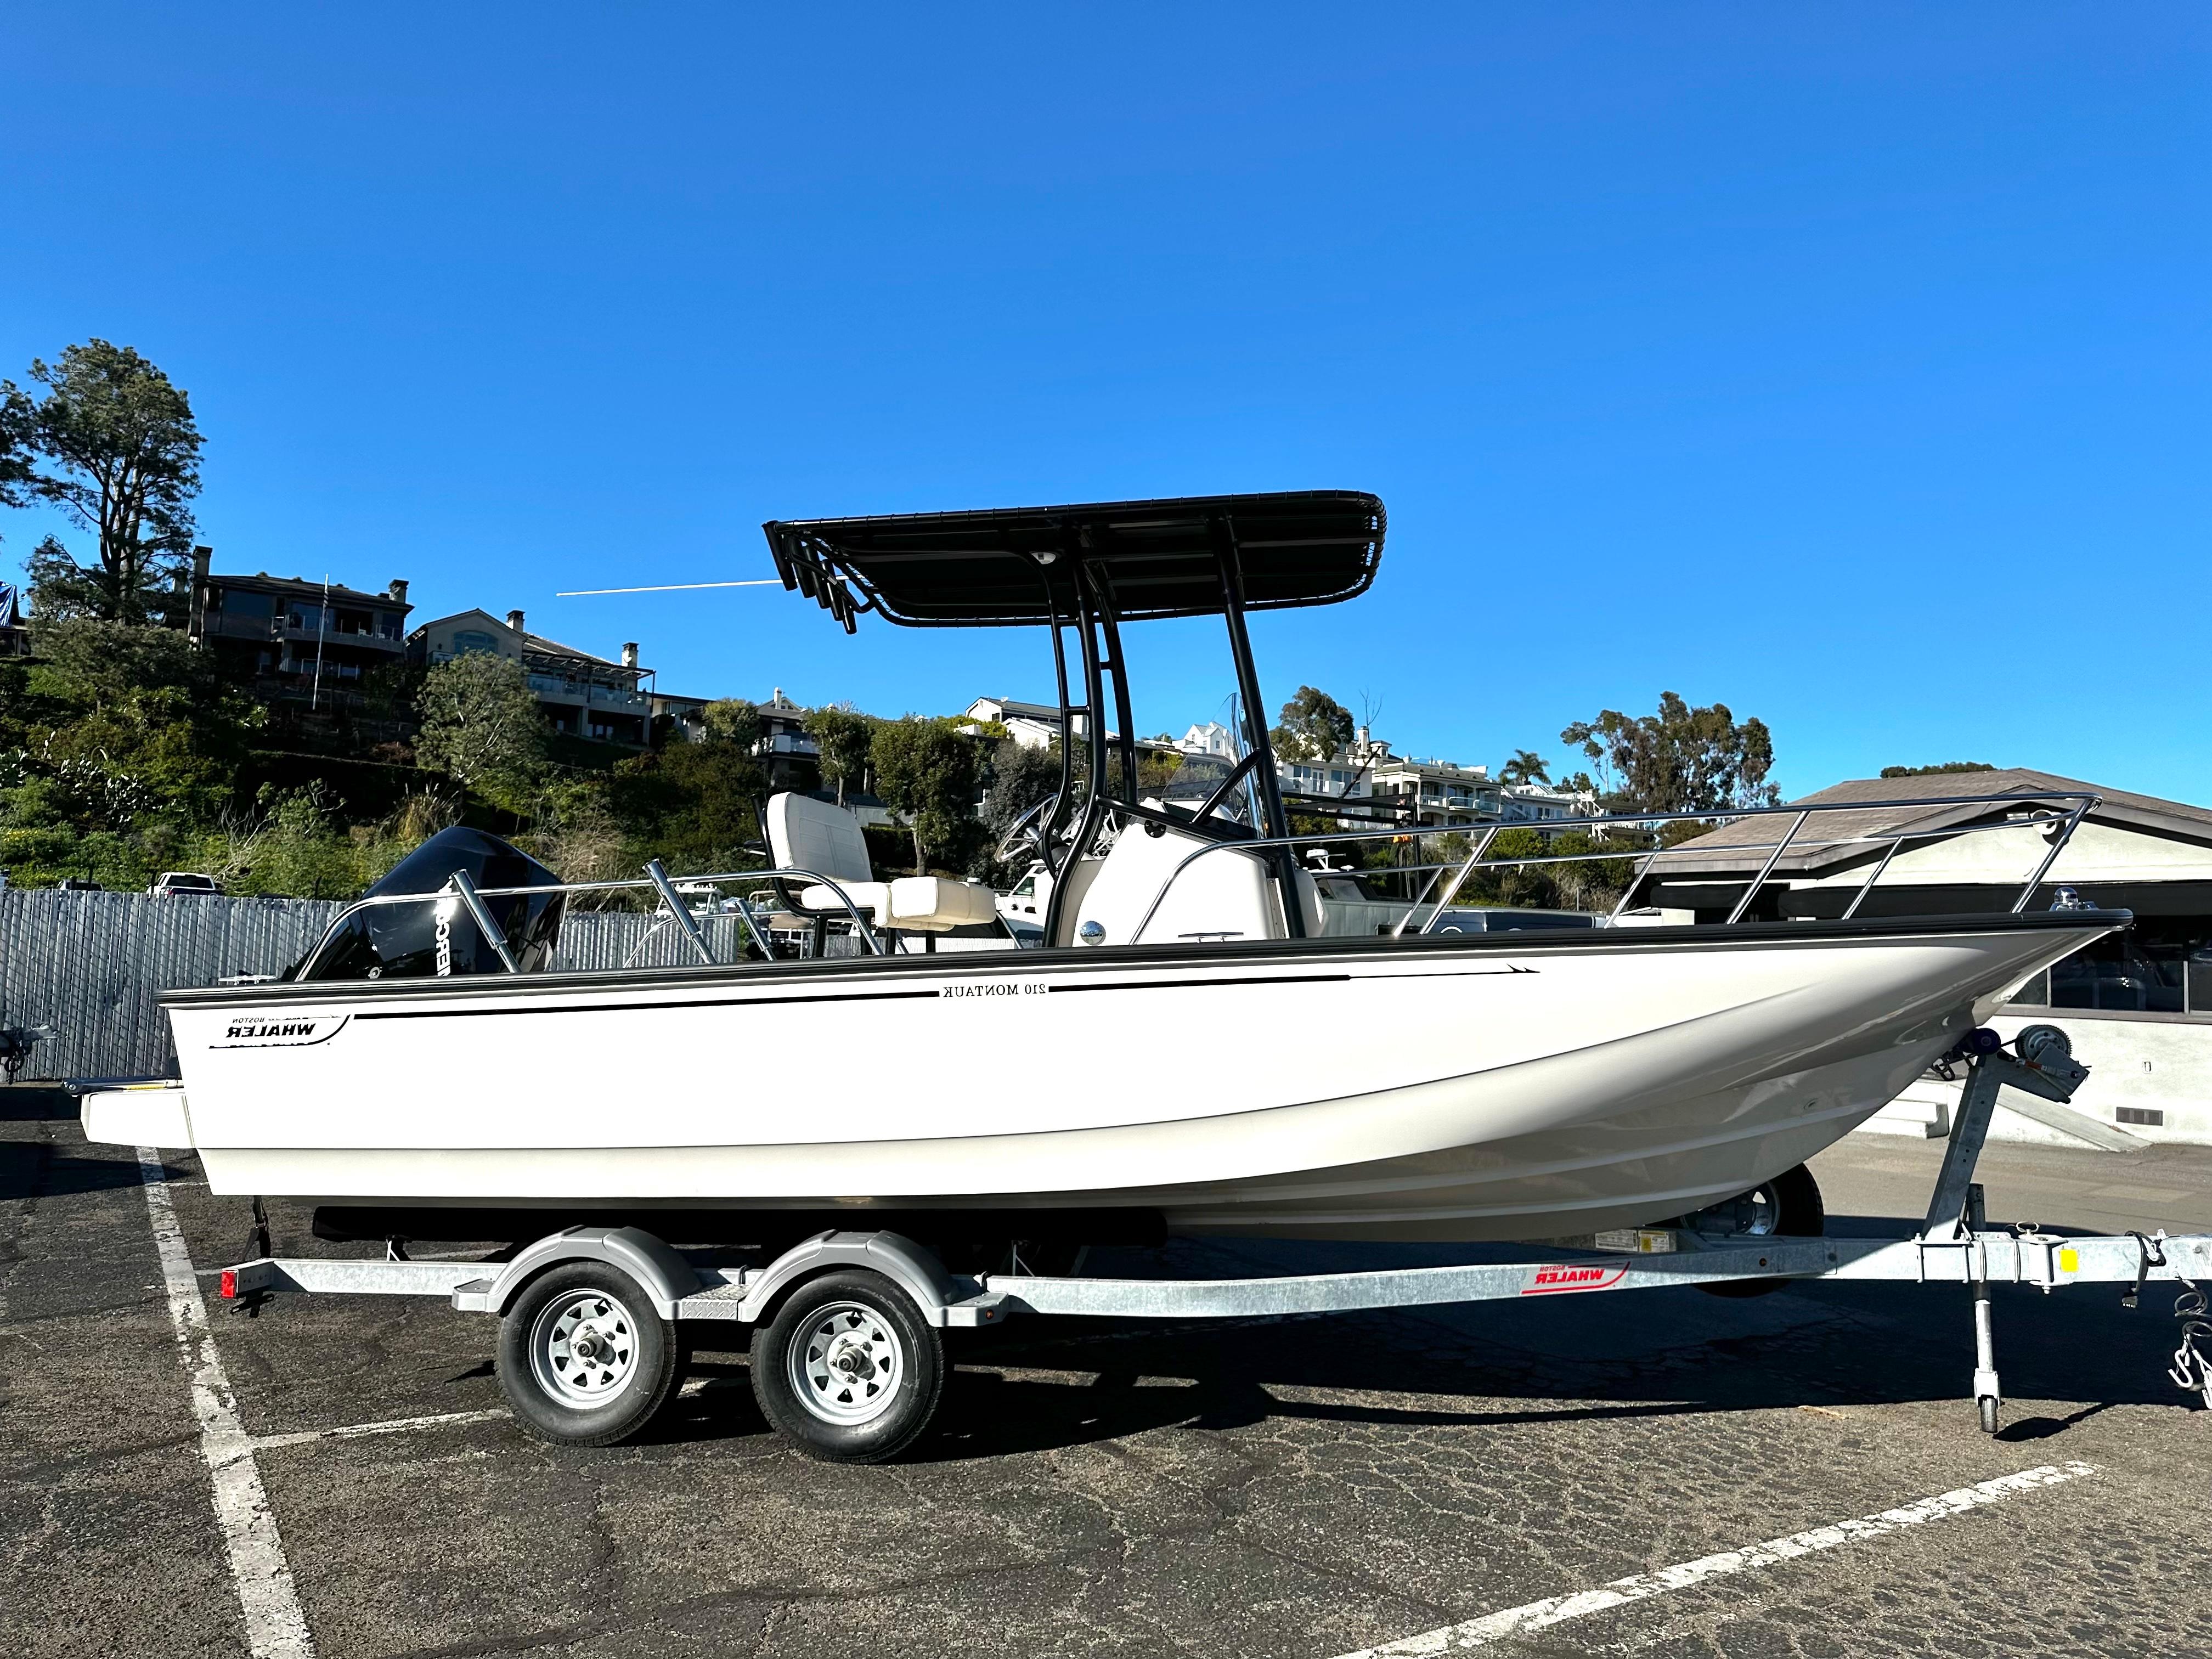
x=1428, y=792
x=1211, y=738
x=1443, y=792
x=1341, y=777
x=1031, y=724
x=1541, y=803
x=1436, y=792
x=581, y=695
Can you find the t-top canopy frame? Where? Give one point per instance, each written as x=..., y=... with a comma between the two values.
x=1012, y=567
x=1091, y=567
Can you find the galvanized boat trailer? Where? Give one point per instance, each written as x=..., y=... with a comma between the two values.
x=847, y=1361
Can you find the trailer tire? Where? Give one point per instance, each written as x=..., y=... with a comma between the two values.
x=847, y=1369
x=1799, y=1213
x=584, y=1359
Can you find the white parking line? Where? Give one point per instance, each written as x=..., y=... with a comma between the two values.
x=390, y=1425
x=1557, y=1609
x=275, y=1628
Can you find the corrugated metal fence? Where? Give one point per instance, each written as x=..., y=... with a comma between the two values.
x=91, y=964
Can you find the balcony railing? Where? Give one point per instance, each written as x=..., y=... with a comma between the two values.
x=268, y=630
x=306, y=628
x=599, y=696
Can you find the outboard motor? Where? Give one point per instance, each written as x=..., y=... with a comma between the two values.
x=440, y=938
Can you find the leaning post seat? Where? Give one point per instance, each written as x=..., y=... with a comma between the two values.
x=806, y=834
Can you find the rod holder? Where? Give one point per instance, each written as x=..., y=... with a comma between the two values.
x=480, y=913
x=674, y=900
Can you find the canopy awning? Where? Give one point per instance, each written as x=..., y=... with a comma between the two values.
x=1008, y=567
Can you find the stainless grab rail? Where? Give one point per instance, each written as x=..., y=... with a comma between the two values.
x=2084, y=800
x=471, y=898
x=2057, y=845
x=482, y=917
x=1766, y=869
x=1444, y=898
x=657, y=873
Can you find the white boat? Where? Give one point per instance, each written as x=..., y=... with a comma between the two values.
x=1191, y=1048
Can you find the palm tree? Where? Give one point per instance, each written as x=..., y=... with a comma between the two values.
x=1527, y=766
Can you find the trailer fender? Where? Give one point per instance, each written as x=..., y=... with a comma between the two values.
x=665, y=1277
x=905, y=1263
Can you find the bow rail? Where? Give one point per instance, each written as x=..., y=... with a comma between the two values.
x=1645, y=824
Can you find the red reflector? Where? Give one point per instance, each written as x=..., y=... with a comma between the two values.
x=230, y=1284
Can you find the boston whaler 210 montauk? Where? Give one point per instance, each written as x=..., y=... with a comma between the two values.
x=426, y=1061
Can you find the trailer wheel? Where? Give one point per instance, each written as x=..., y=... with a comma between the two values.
x=1791, y=1209
x=584, y=1359
x=848, y=1370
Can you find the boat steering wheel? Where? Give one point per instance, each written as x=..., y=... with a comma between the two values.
x=1028, y=829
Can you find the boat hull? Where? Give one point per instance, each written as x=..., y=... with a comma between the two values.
x=1489, y=1087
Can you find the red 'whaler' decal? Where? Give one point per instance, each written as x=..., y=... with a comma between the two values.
x=1573, y=1276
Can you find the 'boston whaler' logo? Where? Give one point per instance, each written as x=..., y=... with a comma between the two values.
x=271, y=1031
x=1572, y=1276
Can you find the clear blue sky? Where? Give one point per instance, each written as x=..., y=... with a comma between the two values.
x=1846, y=363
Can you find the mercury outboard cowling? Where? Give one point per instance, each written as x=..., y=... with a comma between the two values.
x=438, y=938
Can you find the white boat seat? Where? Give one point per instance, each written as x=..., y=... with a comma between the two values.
x=806, y=834
x=928, y=904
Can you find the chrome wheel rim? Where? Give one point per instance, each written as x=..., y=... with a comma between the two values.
x=1761, y=1212
x=1754, y=1214
x=845, y=1364
x=584, y=1348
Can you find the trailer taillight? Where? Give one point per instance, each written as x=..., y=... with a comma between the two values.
x=229, y=1284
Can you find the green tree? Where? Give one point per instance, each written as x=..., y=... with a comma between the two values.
x=690, y=803
x=928, y=774
x=480, y=723
x=141, y=703
x=1156, y=772
x=1021, y=778
x=1589, y=884
x=1312, y=726
x=391, y=690
x=16, y=468
x=846, y=739
x=292, y=846
x=735, y=721
x=577, y=830
x=106, y=668
x=1679, y=760
x=113, y=443
x=1934, y=771
x=1497, y=882
x=1526, y=766
x=120, y=751
x=62, y=590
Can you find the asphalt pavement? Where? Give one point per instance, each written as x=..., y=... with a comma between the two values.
x=1299, y=1489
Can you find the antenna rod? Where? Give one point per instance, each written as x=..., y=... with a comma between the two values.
x=671, y=587
x=322, y=622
